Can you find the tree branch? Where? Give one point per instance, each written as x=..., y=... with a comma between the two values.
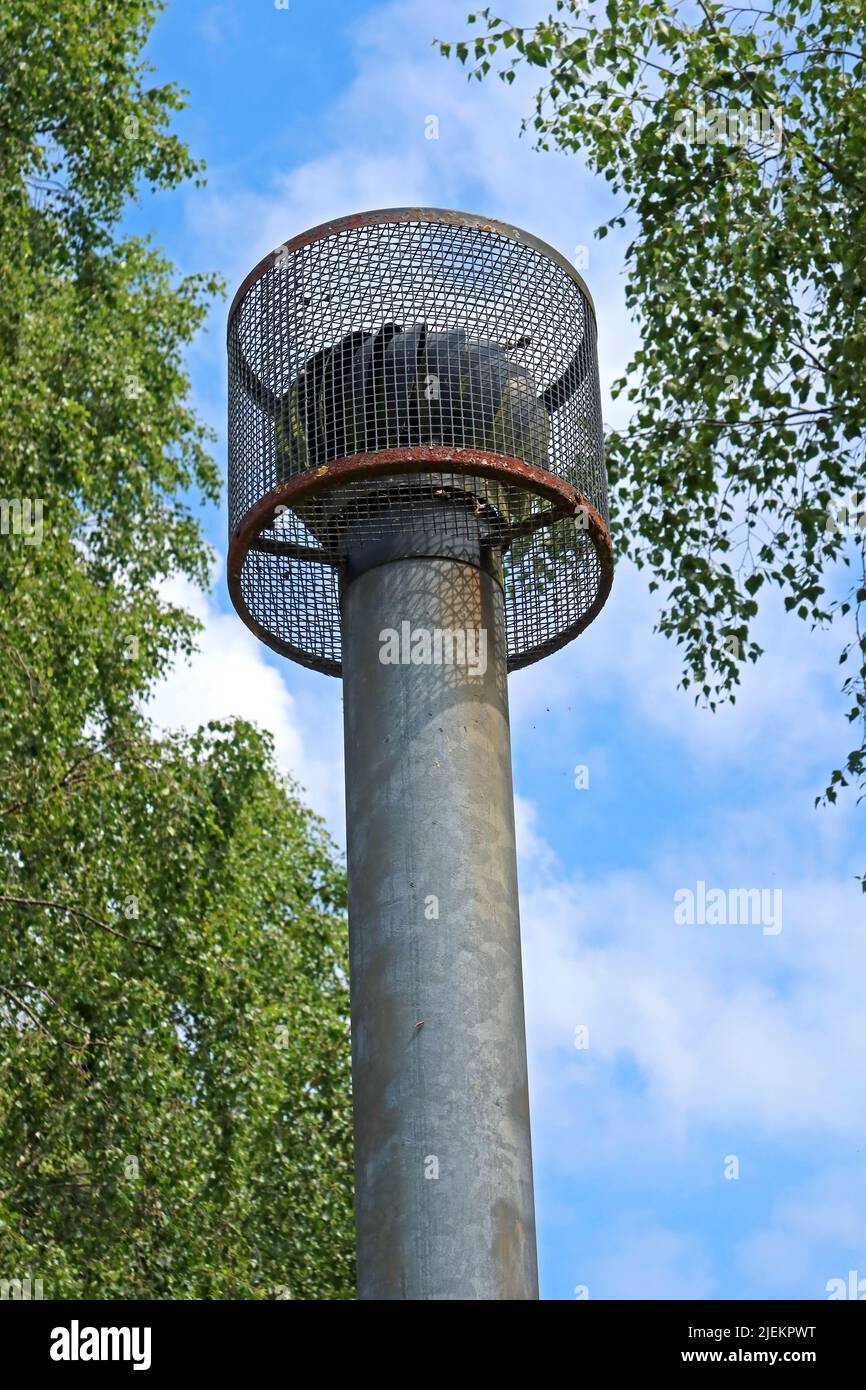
x=78, y=912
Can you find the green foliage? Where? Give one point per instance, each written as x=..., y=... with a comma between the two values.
x=174, y=1084
x=174, y=1080
x=746, y=277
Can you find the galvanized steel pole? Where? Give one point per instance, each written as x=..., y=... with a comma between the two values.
x=442, y=1145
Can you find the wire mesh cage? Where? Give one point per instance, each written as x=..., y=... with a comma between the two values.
x=414, y=369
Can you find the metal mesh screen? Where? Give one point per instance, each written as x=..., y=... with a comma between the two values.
x=445, y=358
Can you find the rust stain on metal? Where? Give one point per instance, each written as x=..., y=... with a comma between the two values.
x=509, y=1250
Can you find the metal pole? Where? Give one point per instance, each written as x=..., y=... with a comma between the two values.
x=443, y=1164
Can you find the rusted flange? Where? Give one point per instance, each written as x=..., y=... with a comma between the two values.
x=564, y=501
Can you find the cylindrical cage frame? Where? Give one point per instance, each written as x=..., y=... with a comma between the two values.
x=387, y=359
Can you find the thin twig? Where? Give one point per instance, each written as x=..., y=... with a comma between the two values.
x=25, y=1008
x=77, y=912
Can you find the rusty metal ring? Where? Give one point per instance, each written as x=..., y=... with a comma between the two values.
x=564, y=499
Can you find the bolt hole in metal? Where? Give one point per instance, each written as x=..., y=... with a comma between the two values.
x=408, y=374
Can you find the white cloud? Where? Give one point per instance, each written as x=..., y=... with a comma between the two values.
x=230, y=676
x=807, y=1230
x=724, y=1025
x=643, y=1260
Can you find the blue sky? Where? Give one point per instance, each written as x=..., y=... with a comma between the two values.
x=705, y=1041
